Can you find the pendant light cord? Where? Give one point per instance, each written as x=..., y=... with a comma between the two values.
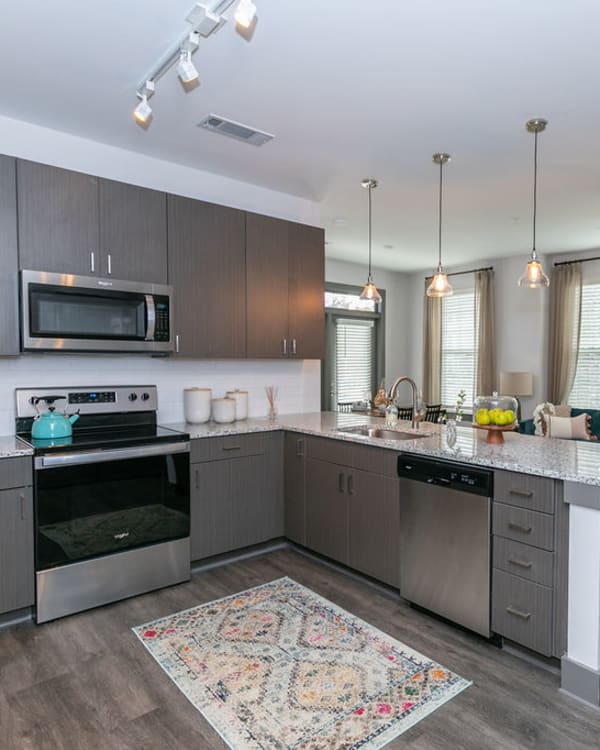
x=440, y=220
x=535, y=154
x=370, y=211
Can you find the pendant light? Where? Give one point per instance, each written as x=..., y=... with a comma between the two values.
x=370, y=290
x=534, y=276
x=440, y=286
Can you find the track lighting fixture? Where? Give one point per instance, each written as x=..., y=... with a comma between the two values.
x=205, y=18
x=245, y=13
x=143, y=111
x=186, y=70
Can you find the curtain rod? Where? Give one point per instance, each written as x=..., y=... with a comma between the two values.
x=473, y=270
x=581, y=260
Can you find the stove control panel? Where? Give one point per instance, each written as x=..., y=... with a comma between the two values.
x=94, y=400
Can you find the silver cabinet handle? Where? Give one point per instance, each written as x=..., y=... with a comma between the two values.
x=340, y=482
x=22, y=504
x=109, y=264
x=517, y=613
x=520, y=493
x=284, y=347
x=177, y=343
x=237, y=447
x=293, y=346
x=92, y=262
x=197, y=473
x=300, y=447
x=520, y=563
x=350, y=484
x=519, y=527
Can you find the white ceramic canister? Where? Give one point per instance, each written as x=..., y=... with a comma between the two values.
x=241, y=403
x=223, y=410
x=196, y=405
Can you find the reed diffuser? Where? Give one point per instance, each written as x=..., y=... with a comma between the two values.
x=272, y=392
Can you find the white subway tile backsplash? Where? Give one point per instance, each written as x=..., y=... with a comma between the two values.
x=298, y=381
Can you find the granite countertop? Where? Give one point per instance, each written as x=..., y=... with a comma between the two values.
x=570, y=460
x=11, y=446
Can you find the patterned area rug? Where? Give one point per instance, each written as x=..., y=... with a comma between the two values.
x=278, y=667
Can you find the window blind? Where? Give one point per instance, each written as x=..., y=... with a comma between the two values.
x=354, y=359
x=459, y=347
x=586, y=385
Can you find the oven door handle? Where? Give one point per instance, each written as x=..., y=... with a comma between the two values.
x=101, y=456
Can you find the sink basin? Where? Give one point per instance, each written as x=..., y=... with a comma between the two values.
x=382, y=433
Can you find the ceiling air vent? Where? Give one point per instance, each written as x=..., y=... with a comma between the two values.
x=235, y=130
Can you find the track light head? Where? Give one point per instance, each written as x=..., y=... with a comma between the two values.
x=245, y=13
x=186, y=70
x=143, y=112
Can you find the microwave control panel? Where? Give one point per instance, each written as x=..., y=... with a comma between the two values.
x=162, y=327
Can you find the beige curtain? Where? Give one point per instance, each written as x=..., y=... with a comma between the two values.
x=432, y=348
x=565, y=323
x=485, y=370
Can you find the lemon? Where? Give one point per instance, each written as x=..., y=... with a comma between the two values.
x=510, y=416
x=482, y=416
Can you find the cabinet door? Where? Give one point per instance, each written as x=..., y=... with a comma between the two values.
x=207, y=269
x=133, y=232
x=16, y=549
x=295, y=495
x=327, y=509
x=374, y=526
x=9, y=329
x=267, y=286
x=211, y=509
x=58, y=219
x=306, y=291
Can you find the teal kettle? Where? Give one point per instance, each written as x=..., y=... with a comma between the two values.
x=52, y=424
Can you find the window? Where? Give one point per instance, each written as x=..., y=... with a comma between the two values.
x=353, y=366
x=586, y=385
x=459, y=347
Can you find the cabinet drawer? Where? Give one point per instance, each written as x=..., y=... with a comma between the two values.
x=526, y=526
x=333, y=451
x=524, y=491
x=227, y=446
x=522, y=611
x=16, y=472
x=522, y=560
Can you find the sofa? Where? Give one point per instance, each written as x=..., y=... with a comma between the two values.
x=526, y=427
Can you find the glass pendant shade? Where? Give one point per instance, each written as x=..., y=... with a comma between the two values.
x=370, y=291
x=440, y=286
x=534, y=276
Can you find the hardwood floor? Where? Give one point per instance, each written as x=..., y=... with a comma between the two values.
x=85, y=682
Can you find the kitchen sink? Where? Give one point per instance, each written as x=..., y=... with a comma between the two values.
x=382, y=433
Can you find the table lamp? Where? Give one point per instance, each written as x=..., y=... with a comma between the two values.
x=516, y=384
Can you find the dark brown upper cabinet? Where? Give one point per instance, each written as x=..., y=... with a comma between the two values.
x=58, y=219
x=9, y=329
x=285, y=286
x=207, y=269
x=71, y=222
x=133, y=232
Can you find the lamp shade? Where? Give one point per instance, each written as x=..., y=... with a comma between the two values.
x=516, y=383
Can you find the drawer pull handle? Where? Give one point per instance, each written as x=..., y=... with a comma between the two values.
x=518, y=613
x=519, y=527
x=300, y=447
x=520, y=493
x=340, y=482
x=232, y=447
x=197, y=479
x=520, y=563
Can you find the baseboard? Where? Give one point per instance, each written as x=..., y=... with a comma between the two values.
x=236, y=555
x=16, y=617
x=580, y=681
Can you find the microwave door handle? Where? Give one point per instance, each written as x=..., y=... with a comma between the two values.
x=150, y=317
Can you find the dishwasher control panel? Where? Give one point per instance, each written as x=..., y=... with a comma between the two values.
x=446, y=474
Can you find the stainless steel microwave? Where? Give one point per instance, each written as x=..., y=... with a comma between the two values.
x=61, y=312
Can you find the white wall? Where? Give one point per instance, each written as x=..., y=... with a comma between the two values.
x=396, y=285
x=298, y=382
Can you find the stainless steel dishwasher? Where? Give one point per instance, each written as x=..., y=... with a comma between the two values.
x=445, y=540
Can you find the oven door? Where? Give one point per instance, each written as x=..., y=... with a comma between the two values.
x=80, y=313
x=90, y=504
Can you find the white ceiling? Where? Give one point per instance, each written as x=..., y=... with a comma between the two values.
x=351, y=89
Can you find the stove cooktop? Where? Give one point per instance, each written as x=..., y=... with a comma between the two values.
x=99, y=438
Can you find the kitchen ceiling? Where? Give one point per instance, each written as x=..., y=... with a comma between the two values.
x=351, y=89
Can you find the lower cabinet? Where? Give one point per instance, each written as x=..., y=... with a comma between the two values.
x=295, y=488
x=236, y=492
x=353, y=515
x=16, y=549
